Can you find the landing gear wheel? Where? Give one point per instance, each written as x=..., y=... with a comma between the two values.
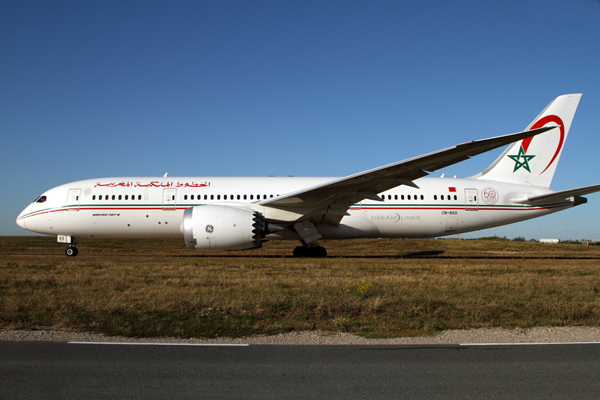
x=71, y=251
x=301, y=252
x=315, y=251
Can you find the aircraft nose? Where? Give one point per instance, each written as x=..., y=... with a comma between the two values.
x=21, y=221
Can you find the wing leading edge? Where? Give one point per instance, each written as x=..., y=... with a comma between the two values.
x=328, y=203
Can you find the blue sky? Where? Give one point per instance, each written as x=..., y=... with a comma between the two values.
x=306, y=88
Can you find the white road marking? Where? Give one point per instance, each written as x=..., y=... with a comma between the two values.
x=524, y=344
x=166, y=344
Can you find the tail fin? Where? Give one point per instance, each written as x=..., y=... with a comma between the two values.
x=533, y=161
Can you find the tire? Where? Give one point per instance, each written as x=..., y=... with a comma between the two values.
x=71, y=251
x=320, y=252
x=317, y=252
x=300, y=251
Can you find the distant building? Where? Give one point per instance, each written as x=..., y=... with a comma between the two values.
x=549, y=240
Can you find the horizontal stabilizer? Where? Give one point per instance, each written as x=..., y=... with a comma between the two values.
x=557, y=196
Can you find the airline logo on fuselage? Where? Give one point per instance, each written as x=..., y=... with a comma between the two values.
x=157, y=184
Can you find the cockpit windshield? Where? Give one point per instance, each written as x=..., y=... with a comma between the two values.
x=40, y=199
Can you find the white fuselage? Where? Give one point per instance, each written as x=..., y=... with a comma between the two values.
x=153, y=207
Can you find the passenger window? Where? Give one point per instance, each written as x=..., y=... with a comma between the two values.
x=251, y=197
x=422, y=197
x=218, y=197
x=245, y=197
x=238, y=196
x=442, y=197
x=212, y=196
x=402, y=197
x=408, y=197
x=185, y=196
x=139, y=196
x=455, y=198
x=113, y=196
x=192, y=197
x=395, y=197
x=120, y=197
x=435, y=196
x=224, y=197
x=205, y=197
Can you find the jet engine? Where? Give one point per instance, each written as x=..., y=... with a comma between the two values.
x=216, y=227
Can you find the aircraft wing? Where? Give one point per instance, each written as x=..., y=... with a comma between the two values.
x=327, y=203
x=561, y=195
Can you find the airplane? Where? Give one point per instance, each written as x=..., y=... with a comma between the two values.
x=397, y=200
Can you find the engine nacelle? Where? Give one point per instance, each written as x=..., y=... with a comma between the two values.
x=215, y=227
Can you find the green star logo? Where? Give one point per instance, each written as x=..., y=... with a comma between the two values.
x=521, y=156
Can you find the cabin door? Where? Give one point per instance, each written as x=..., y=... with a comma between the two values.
x=471, y=200
x=73, y=199
x=169, y=199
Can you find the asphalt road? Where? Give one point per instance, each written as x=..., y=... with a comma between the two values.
x=51, y=370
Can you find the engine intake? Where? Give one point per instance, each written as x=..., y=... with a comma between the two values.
x=216, y=227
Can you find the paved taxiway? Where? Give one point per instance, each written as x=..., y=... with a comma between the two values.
x=52, y=370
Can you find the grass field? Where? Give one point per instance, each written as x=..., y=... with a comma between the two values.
x=374, y=288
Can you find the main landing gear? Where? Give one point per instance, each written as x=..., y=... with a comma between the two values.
x=312, y=251
x=71, y=251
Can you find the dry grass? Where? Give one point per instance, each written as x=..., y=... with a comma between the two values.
x=377, y=288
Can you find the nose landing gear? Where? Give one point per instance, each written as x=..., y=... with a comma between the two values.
x=71, y=251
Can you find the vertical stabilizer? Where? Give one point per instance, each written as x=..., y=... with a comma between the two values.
x=533, y=161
